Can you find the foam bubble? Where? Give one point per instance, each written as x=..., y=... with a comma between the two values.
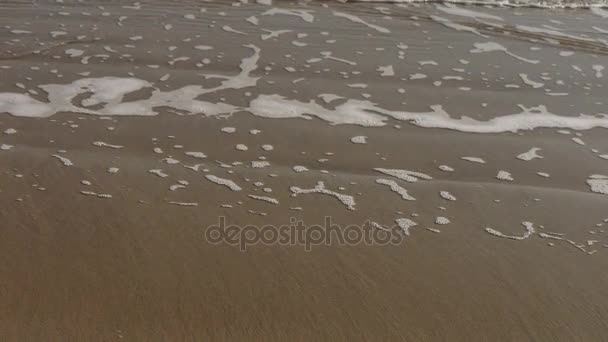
x=347, y=200
x=91, y=193
x=530, y=154
x=474, y=160
x=442, y=220
x=360, y=139
x=103, y=144
x=265, y=199
x=300, y=168
x=598, y=184
x=447, y=196
x=396, y=188
x=258, y=164
x=158, y=172
x=199, y=155
x=405, y=224
x=529, y=231
x=504, y=175
x=65, y=161
x=225, y=182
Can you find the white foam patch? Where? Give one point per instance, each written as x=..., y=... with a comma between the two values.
x=300, y=168
x=327, y=98
x=108, y=92
x=405, y=224
x=561, y=238
x=360, y=139
x=225, y=182
x=24, y=106
x=184, y=204
x=231, y=30
x=446, y=168
x=365, y=113
x=258, y=164
x=528, y=81
x=599, y=70
x=10, y=131
x=387, y=70
x=65, y=161
x=103, y=144
x=347, y=200
x=493, y=47
x=442, y=220
x=579, y=141
x=6, y=147
x=598, y=184
x=474, y=160
x=94, y=194
x=378, y=226
x=158, y=172
x=529, y=231
x=170, y=161
x=265, y=199
x=199, y=155
x=447, y=196
x=504, y=175
x=253, y=20
x=358, y=20
x=530, y=154
x=73, y=53
x=396, y=188
x=273, y=34
x=406, y=175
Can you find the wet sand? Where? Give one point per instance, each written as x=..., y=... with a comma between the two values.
x=136, y=267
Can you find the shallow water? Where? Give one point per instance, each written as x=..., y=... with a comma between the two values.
x=475, y=135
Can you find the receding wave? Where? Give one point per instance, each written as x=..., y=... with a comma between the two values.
x=551, y=4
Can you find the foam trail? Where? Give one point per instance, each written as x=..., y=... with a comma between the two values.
x=358, y=20
x=463, y=12
x=347, y=200
x=493, y=46
x=529, y=231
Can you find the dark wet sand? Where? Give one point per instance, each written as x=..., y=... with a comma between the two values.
x=136, y=268
x=81, y=268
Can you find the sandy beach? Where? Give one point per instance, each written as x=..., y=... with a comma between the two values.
x=476, y=136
